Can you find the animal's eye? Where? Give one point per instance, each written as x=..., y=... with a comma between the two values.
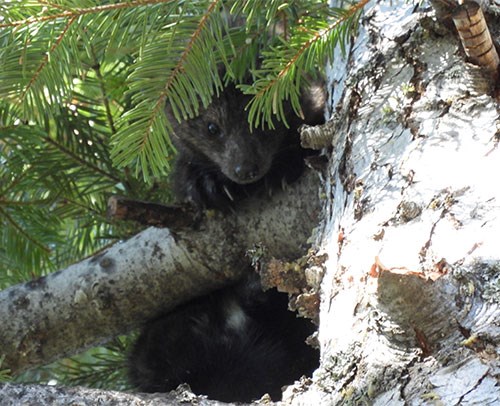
x=213, y=129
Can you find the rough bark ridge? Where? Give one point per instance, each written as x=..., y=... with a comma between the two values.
x=41, y=395
x=410, y=298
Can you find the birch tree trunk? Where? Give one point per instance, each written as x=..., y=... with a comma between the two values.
x=410, y=298
x=411, y=288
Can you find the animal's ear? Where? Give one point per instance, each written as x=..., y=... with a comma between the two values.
x=313, y=100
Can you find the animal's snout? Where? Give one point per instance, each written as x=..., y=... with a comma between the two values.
x=247, y=173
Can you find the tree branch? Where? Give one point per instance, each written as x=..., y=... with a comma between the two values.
x=152, y=214
x=114, y=291
x=44, y=395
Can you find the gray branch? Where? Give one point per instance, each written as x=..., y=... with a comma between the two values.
x=44, y=395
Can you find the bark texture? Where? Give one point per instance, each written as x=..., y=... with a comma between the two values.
x=44, y=395
x=410, y=298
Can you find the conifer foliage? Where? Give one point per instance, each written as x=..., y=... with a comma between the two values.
x=83, y=85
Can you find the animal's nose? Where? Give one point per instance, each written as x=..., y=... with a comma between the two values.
x=247, y=173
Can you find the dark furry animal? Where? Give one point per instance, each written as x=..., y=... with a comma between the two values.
x=237, y=343
x=220, y=161
x=233, y=345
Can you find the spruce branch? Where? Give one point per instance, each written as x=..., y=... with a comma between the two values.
x=80, y=161
x=280, y=76
x=50, y=205
x=190, y=76
x=38, y=202
x=45, y=60
x=101, y=367
x=27, y=236
x=104, y=94
x=178, y=69
x=12, y=185
x=171, y=53
x=77, y=12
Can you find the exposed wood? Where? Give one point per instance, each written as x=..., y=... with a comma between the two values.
x=475, y=36
x=152, y=214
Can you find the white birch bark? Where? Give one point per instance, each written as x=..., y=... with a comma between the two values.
x=410, y=298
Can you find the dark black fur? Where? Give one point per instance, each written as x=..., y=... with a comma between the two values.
x=233, y=345
x=220, y=161
x=238, y=343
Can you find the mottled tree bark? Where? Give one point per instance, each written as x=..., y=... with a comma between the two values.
x=43, y=395
x=410, y=298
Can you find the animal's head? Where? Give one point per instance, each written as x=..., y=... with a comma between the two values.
x=221, y=136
